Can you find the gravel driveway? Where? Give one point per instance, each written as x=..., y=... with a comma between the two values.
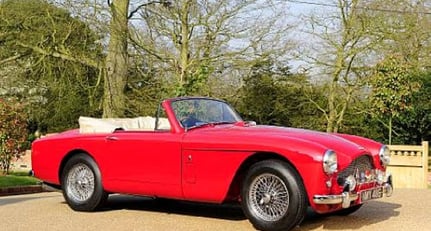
x=407, y=209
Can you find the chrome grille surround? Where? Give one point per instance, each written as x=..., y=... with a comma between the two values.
x=361, y=168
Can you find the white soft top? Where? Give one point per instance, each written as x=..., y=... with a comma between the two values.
x=108, y=125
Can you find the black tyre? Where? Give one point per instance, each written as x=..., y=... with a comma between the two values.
x=347, y=211
x=81, y=184
x=273, y=196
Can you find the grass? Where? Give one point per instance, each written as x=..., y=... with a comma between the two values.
x=17, y=179
x=19, y=173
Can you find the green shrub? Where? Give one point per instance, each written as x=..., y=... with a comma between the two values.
x=13, y=132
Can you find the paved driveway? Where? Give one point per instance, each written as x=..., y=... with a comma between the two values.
x=408, y=209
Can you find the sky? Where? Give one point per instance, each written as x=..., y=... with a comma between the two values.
x=307, y=7
x=299, y=9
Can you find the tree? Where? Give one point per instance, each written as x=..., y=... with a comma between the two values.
x=144, y=89
x=414, y=125
x=262, y=93
x=54, y=29
x=49, y=61
x=271, y=94
x=405, y=25
x=13, y=132
x=193, y=42
x=114, y=68
x=392, y=89
x=180, y=27
x=116, y=63
x=345, y=39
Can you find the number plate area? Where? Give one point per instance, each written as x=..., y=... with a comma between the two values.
x=374, y=193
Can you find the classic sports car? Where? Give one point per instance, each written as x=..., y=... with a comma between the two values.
x=199, y=149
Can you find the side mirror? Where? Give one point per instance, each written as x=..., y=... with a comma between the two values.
x=251, y=123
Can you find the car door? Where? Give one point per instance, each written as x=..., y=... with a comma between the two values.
x=145, y=163
x=210, y=162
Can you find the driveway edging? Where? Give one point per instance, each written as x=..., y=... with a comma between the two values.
x=8, y=191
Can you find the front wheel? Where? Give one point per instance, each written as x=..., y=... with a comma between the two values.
x=273, y=196
x=81, y=184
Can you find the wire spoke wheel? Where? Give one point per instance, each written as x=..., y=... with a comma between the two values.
x=269, y=197
x=80, y=183
x=273, y=196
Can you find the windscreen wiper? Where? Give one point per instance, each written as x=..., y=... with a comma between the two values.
x=205, y=124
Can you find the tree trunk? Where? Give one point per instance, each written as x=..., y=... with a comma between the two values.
x=116, y=61
x=332, y=113
x=333, y=88
x=184, y=52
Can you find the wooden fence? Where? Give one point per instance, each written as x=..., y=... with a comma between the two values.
x=410, y=165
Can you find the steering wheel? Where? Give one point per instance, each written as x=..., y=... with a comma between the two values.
x=189, y=121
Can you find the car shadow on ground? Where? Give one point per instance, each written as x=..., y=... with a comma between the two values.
x=225, y=211
x=372, y=212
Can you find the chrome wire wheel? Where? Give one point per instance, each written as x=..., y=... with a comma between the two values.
x=269, y=197
x=80, y=183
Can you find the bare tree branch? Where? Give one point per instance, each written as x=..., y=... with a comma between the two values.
x=163, y=2
x=12, y=58
x=65, y=56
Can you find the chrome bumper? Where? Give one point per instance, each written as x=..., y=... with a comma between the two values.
x=346, y=198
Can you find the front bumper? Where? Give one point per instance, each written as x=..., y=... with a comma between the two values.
x=346, y=197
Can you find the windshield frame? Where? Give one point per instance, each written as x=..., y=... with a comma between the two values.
x=199, y=108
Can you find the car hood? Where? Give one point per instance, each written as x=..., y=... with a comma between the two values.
x=292, y=138
x=329, y=140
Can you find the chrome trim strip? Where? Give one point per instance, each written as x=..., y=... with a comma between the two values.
x=343, y=198
x=346, y=197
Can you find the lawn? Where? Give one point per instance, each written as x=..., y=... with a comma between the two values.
x=17, y=179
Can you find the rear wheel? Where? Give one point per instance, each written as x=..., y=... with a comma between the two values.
x=81, y=184
x=273, y=196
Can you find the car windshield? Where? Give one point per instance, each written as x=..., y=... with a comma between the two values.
x=197, y=112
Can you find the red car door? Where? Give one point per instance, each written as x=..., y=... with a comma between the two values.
x=210, y=162
x=146, y=163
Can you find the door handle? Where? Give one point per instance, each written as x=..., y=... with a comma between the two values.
x=111, y=138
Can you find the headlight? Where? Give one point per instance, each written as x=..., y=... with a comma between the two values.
x=330, y=162
x=385, y=155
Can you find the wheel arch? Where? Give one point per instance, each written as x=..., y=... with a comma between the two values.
x=233, y=193
x=91, y=201
x=67, y=157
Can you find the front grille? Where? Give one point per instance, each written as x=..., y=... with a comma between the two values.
x=359, y=168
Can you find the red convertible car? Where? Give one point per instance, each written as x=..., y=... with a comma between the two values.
x=199, y=149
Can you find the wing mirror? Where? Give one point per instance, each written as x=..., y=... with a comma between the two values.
x=251, y=123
